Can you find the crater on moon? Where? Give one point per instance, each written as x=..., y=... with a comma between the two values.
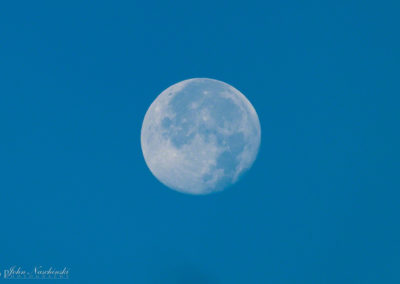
x=200, y=135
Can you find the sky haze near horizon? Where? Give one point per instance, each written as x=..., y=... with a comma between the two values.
x=319, y=205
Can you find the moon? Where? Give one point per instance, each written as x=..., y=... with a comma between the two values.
x=200, y=135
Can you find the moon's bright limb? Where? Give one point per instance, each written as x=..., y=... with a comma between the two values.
x=200, y=135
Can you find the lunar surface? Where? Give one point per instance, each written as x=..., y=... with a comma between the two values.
x=200, y=135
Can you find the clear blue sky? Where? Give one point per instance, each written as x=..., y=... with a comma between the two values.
x=321, y=203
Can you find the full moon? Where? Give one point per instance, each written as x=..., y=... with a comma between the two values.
x=200, y=135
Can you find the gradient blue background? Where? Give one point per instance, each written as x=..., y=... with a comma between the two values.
x=321, y=203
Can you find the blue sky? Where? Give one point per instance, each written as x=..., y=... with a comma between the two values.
x=321, y=203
